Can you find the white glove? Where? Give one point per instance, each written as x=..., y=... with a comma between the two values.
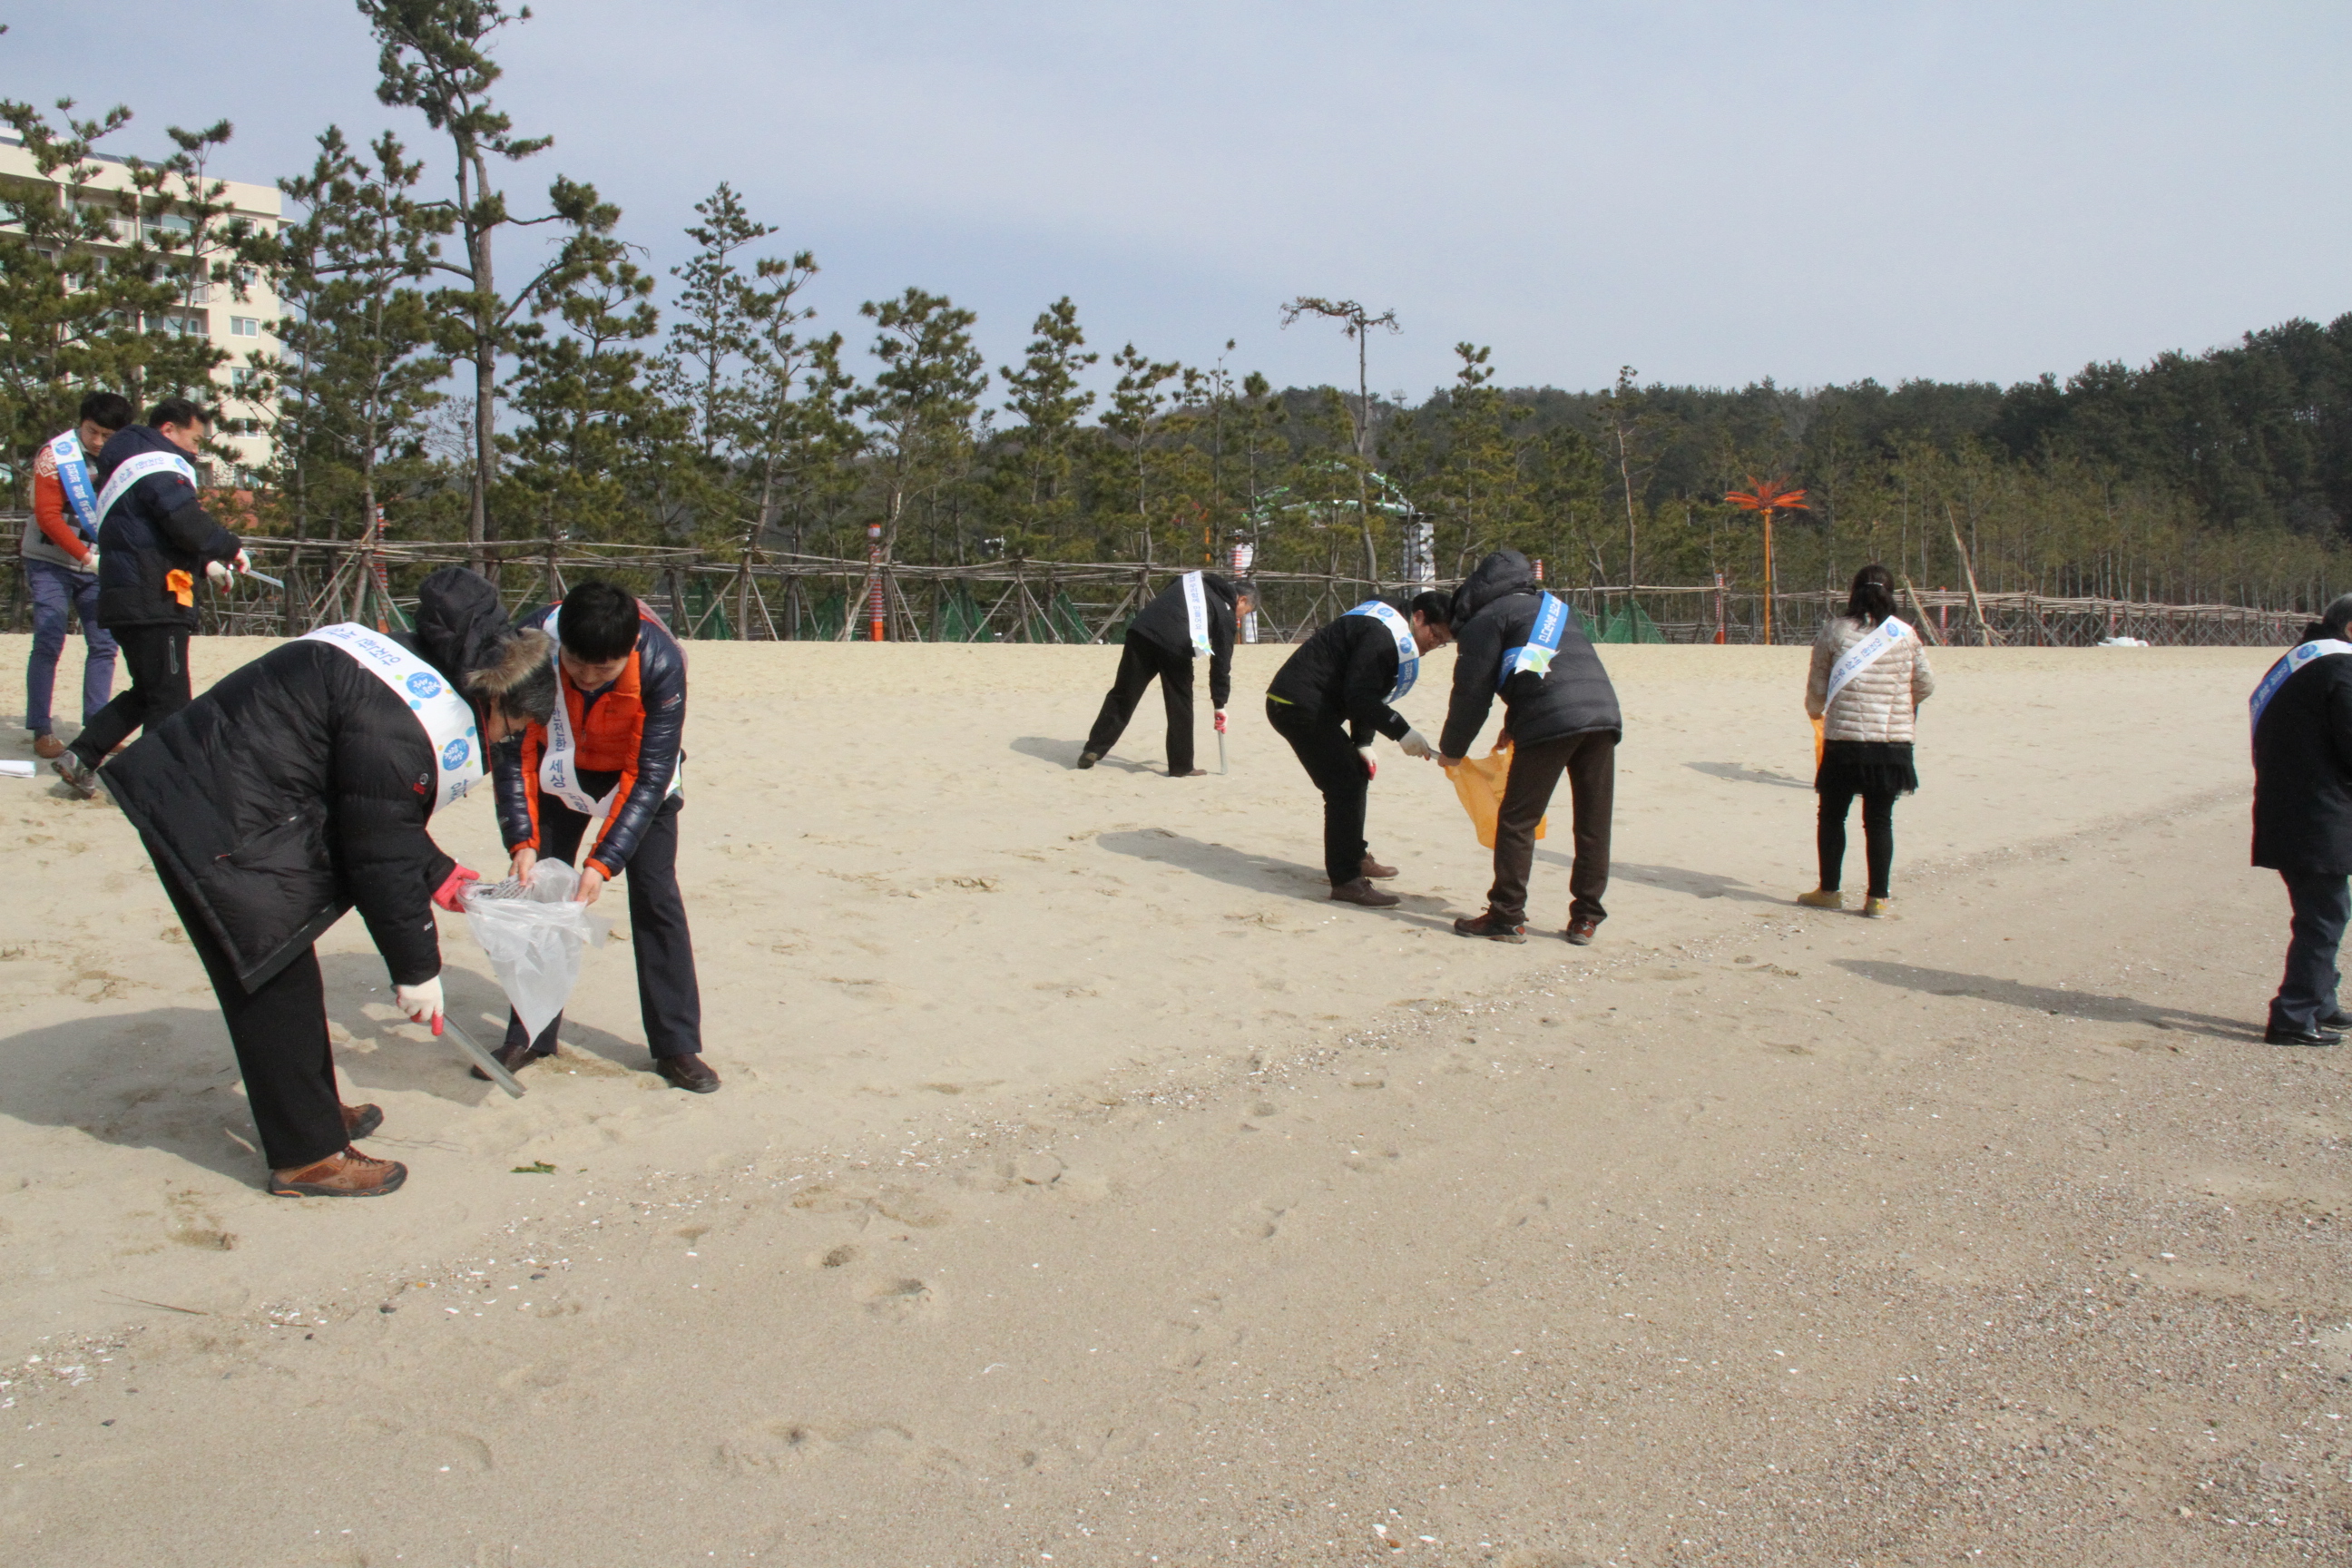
x=218, y=570
x=421, y=1003
x=1416, y=744
x=243, y=563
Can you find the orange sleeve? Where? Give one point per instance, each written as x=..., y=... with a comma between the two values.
x=534, y=740
x=621, y=792
x=50, y=509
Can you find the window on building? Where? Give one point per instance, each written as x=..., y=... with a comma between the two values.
x=190, y=324
x=244, y=326
x=241, y=379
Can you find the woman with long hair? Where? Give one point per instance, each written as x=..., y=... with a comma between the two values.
x=1869, y=675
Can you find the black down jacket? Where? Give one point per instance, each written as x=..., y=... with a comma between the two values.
x=2302, y=771
x=1163, y=624
x=298, y=787
x=1345, y=672
x=158, y=527
x=1494, y=611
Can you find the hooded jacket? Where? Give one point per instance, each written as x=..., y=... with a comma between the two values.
x=1495, y=611
x=1345, y=672
x=157, y=528
x=1164, y=624
x=299, y=786
x=631, y=738
x=2303, y=771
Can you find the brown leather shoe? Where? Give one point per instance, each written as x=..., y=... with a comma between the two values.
x=1579, y=931
x=690, y=1073
x=1361, y=892
x=1488, y=926
x=514, y=1059
x=359, y=1120
x=48, y=748
x=1372, y=867
x=350, y=1174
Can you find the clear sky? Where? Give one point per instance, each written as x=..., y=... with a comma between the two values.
x=1710, y=192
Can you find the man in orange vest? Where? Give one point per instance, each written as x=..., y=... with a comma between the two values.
x=611, y=749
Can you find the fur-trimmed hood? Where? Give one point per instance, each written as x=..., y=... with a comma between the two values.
x=462, y=631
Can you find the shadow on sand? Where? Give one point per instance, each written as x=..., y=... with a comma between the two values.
x=1064, y=754
x=2046, y=999
x=1257, y=873
x=1674, y=880
x=1739, y=773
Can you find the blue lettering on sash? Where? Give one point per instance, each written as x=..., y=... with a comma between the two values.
x=1536, y=653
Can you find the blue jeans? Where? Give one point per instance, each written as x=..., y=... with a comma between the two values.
x=56, y=591
x=2322, y=905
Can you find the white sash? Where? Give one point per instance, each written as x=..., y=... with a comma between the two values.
x=73, y=476
x=446, y=718
x=1408, y=651
x=2297, y=658
x=1542, y=646
x=134, y=469
x=1863, y=655
x=559, y=764
x=1196, y=612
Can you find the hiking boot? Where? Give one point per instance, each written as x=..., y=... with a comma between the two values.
x=687, y=1072
x=1488, y=926
x=514, y=1059
x=1878, y=910
x=359, y=1120
x=1823, y=898
x=1372, y=867
x=350, y=1174
x=1581, y=928
x=1361, y=892
x=48, y=747
x=80, y=776
x=1088, y=759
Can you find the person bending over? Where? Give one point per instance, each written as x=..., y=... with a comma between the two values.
x=611, y=750
x=60, y=556
x=2302, y=716
x=154, y=540
x=1327, y=700
x=1192, y=615
x=1560, y=716
x=298, y=787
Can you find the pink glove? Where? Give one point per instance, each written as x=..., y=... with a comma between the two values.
x=1371, y=768
x=1220, y=721
x=451, y=895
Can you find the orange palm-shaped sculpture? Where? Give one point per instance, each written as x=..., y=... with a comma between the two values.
x=1764, y=500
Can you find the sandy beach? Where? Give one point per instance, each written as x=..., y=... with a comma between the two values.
x=1087, y=1189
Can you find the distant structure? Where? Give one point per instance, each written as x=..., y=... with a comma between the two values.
x=243, y=327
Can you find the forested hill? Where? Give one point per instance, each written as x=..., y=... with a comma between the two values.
x=2257, y=435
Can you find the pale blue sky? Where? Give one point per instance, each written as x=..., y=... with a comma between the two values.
x=1711, y=192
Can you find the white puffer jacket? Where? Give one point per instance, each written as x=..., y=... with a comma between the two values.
x=1881, y=703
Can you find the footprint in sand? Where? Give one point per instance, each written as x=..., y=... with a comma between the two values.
x=834, y=1256
x=902, y=1299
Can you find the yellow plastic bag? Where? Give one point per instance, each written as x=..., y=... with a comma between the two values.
x=1480, y=781
x=1818, y=745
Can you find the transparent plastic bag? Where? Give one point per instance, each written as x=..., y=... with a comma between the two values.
x=536, y=936
x=1479, y=782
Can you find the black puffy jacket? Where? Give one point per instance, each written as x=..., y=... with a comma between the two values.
x=1494, y=611
x=2302, y=771
x=158, y=527
x=1345, y=673
x=1164, y=624
x=298, y=787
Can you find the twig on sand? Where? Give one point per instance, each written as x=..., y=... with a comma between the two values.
x=191, y=1311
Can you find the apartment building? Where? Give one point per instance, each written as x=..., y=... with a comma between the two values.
x=242, y=326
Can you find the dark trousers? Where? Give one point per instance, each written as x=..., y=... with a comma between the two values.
x=1589, y=760
x=1139, y=660
x=157, y=657
x=2307, y=993
x=279, y=1031
x=1331, y=760
x=60, y=593
x=668, y=997
x=1877, y=839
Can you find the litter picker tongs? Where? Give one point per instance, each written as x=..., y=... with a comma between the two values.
x=482, y=1059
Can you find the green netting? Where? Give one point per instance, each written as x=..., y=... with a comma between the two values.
x=705, y=611
x=1059, y=623
x=1630, y=624
x=958, y=617
x=820, y=622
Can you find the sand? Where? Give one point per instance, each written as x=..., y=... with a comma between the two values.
x=1087, y=1188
